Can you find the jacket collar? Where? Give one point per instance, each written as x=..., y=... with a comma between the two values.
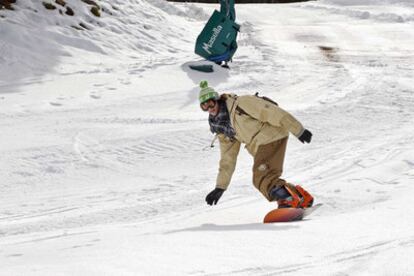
x=231, y=102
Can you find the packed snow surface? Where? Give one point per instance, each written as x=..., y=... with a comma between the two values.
x=105, y=158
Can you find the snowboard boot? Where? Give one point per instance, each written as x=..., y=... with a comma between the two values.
x=225, y=65
x=289, y=196
x=306, y=198
x=285, y=197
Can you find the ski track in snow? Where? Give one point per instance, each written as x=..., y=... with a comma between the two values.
x=130, y=156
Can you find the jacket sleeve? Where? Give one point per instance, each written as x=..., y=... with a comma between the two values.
x=229, y=150
x=267, y=112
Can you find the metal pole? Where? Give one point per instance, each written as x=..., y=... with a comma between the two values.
x=227, y=8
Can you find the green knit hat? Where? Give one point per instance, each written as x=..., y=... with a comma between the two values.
x=207, y=93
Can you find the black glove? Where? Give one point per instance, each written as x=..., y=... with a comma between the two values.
x=306, y=136
x=214, y=196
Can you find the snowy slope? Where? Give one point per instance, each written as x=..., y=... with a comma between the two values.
x=104, y=151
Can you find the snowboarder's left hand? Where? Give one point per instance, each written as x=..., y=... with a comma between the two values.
x=214, y=196
x=306, y=136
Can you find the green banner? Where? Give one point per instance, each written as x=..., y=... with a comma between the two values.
x=217, y=41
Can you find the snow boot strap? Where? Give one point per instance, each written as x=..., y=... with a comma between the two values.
x=293, y=201
x=306, y=198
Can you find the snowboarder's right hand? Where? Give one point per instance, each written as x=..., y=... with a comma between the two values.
x=214, y=196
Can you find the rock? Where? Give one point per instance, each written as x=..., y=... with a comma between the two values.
x=77, y=28
x=84, y=26
x=69, y=11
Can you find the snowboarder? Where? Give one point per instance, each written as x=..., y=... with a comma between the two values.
x=264, y=128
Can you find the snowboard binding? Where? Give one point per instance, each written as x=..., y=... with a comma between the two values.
x=294, y=203
x=289, y=196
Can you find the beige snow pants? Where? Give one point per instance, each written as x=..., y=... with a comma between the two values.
x=268, y=166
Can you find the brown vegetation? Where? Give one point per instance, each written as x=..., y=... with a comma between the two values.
x=49, y=6
x=243, y=1
x=95, y=11
x=7, y=4
x=60, y=2
x=329, y=52
x=91, y=2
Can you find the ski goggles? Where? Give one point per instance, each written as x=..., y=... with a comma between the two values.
x=208, y=104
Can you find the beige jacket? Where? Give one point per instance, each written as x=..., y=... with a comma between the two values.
x=264, y=123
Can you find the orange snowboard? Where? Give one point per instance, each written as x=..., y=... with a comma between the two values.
x=284, y=215
x=289, y=214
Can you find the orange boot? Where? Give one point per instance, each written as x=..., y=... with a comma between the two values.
x=306, y=198
x=286, y=196
x=289, y=196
